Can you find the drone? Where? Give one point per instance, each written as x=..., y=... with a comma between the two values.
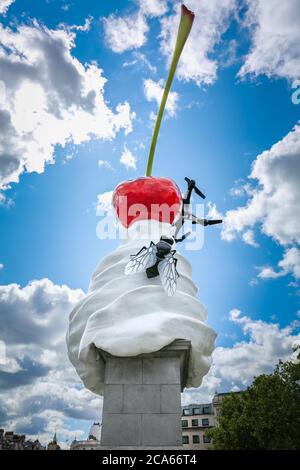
x=158, y=259
x=186, y=213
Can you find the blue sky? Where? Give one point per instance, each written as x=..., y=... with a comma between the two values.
x=232, y=102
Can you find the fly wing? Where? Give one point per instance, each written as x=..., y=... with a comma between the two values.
x=144, y=259
x=168, y=274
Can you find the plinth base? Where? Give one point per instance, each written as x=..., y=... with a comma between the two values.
x=142, y=408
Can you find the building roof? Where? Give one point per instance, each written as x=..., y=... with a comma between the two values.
x=95, y=431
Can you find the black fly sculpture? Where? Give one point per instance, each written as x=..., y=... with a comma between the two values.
x=158, y=259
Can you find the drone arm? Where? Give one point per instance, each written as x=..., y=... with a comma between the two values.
x=177, y=240
x=214, y=222
x=205, y=222
x=196, y=220
x=187, y=196
x=178, y=225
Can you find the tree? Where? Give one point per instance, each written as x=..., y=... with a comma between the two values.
x=264, y=416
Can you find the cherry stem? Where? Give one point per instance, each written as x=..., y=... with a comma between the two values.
x=185, y=25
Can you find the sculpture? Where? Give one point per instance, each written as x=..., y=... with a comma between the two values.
x=130, y=316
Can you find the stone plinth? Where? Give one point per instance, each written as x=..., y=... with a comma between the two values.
x=142, y=406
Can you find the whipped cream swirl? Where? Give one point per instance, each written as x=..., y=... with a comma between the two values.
x=132, y=315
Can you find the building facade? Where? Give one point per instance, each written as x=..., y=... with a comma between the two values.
x=90, y=444
x=197, y=419
x=93, y=441
x=53, y=445
x=11, y=441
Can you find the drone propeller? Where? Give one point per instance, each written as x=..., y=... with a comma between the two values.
x=189, y=182
x=206, y=222
x=192, y=183
x=197, y=191
x=214, y=222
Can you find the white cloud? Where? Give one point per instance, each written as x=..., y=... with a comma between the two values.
x=47, y=305
x=40, y=390
x=235, y=367
x=248, y=238
x=51, y=99
x=66, y=7
x=39, y=387
x=290, y=264
x=296, y=352
x=268, y=343
x=267, y=272
x=68, y=158
x=1, y=266
x=240, y=189
x=140, y=59
x=213, y=212
x=234, y=314
x=85, y=27
x=125, y=32
x=104, y=202
x=152, y=116
x=273, y=26
x=104, y=164
x=274, y=203
x=4, y=6
x=153, y=7
x=154, y=91
x=128, y=159
x=275, y=48
x=212, y=19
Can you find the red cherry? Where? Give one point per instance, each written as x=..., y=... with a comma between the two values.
x=147, y=198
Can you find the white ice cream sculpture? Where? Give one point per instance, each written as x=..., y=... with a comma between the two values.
x=128, y=315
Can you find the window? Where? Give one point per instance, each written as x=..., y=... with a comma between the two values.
x=205, y=422
x=196, y=411
x=206, y=439
x=195, y=422
x=196, y=439
x=185, y=423
x=206, y=410
x=185, y=439
x=186, y=412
